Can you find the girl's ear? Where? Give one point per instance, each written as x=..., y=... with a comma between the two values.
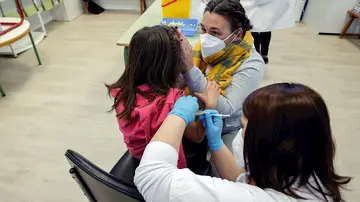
x=179, y=34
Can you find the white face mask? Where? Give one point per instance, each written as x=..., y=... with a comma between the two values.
x=211, y=44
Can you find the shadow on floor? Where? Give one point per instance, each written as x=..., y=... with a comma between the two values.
x=14, y=73
x=354, y=41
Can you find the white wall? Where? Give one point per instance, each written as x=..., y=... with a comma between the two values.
x=129, y=5
x=68, y=10
x=134, y=5
x=329, y=16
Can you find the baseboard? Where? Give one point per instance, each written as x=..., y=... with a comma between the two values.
x=338, y=34
x=331, y=34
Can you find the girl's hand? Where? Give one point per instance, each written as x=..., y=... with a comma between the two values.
x=210, y=96
x=187, y=52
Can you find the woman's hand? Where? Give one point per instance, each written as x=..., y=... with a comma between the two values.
x=186, y=107
x=210, y=96
x=187, y=52
x=213, y=126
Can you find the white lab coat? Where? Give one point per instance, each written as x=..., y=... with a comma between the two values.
x=268, y=15
x=159, y=180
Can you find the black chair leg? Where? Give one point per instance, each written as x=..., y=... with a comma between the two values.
x=2, y=92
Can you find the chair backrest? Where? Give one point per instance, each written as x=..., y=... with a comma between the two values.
x=125, y=168
x=98, y=185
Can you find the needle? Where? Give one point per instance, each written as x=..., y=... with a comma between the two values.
x=221, y=115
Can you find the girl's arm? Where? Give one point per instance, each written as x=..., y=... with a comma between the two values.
x=245, y=80
x=195, y=132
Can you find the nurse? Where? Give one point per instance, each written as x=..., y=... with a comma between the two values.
x=267, y=16
x=288, y=147
x=224, y=54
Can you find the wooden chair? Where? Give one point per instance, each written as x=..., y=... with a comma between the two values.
x=353, y=16
x=142, y=6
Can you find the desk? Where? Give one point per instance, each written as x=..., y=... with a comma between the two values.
x=151, y=17
x=15, y=35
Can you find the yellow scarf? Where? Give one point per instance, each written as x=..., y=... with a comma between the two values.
x=225, y=62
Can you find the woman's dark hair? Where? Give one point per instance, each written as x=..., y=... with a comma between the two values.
x=233, y=11
x=154, y=58
x=288, y=141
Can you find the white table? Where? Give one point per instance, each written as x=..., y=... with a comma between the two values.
x=15, y=35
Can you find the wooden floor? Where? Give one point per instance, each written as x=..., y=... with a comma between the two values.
x=62, y=104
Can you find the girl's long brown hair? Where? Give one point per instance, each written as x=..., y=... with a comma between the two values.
x=154, y=59
x=288, y=140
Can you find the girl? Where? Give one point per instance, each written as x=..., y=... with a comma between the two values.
x=149, y=87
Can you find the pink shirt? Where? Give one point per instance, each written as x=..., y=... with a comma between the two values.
x=146, y=119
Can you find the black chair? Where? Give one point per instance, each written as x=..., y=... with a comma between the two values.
x=196, y=154
x=100, y=186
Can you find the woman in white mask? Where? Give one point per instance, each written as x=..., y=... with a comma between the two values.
x=224, y=54
x=288, y=149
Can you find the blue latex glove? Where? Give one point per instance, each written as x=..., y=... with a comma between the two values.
x=213, y=126
x=186, y=107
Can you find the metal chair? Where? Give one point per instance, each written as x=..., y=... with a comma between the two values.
x=14, y=29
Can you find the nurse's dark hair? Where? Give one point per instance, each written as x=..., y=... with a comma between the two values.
x=233, y=11
x=288, y=142
x=154, y=58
